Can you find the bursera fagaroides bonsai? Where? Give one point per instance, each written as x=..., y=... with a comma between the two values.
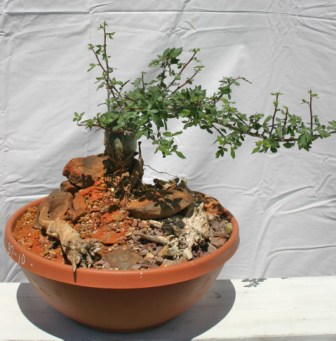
x=104, y=216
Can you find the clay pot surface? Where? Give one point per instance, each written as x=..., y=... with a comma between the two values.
x=120, y=300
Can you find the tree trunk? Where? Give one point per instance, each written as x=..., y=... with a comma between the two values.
x=121, y=148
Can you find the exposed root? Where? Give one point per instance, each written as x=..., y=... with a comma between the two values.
x=78, y=252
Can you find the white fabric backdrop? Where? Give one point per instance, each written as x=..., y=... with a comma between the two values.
x=285, y=203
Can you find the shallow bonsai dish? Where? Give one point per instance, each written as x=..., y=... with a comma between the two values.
x=119, y=300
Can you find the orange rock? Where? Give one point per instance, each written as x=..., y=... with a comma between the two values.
x=109, y=238
x=79, y=205
x=85, y=196
x=66, y=186
x=84, y=171
x=111, y=217
x=95, y=194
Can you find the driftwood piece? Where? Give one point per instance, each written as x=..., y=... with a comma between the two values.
x=196, y=232
x=79, y=252
x=155, y=239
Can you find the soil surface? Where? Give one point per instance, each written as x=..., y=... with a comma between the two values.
x=122, y=243
x=141, y=230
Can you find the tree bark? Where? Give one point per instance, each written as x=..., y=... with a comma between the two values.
x=120, y=147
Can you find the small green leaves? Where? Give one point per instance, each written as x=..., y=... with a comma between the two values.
x=168, y=57
x=169, y=134
x=78, y=117
x=167, y=146
x=92, y=66
x=304, y=140
x=145, y=105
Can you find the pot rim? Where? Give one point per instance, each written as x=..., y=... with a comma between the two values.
x=116, y=279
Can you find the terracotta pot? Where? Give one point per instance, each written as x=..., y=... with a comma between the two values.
x=124, y=300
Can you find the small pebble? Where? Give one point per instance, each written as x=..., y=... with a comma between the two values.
x=217, y=241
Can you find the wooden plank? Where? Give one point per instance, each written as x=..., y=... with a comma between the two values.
x=270, y=309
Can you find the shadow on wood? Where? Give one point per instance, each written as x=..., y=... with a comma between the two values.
x=205, y=314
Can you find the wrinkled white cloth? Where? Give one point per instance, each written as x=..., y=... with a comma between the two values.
x=285, y=203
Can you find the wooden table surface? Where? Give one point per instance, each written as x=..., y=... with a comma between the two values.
x=257, y=309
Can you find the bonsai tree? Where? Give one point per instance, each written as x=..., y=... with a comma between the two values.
x=142, y=108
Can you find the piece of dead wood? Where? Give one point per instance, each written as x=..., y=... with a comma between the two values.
x=196, y=232
x=79, y=252
x=155, y=239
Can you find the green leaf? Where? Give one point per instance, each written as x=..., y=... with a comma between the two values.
x=185, y=113
x=289, y=144
x=256, y=150
x=278, y=130
x=174, y=53
x=179, y=154
x=92, y=66
x=154, y=63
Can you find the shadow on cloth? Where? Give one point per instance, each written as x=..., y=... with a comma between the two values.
x=214, y=306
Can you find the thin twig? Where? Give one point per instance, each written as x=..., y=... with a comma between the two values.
x=260, y=136
x=276, y=103
x=311, y=112
x=107, y=71
x=285, y=122
x=139, y=148
x=182, y=69
x=160, y=172
x=188, y=81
